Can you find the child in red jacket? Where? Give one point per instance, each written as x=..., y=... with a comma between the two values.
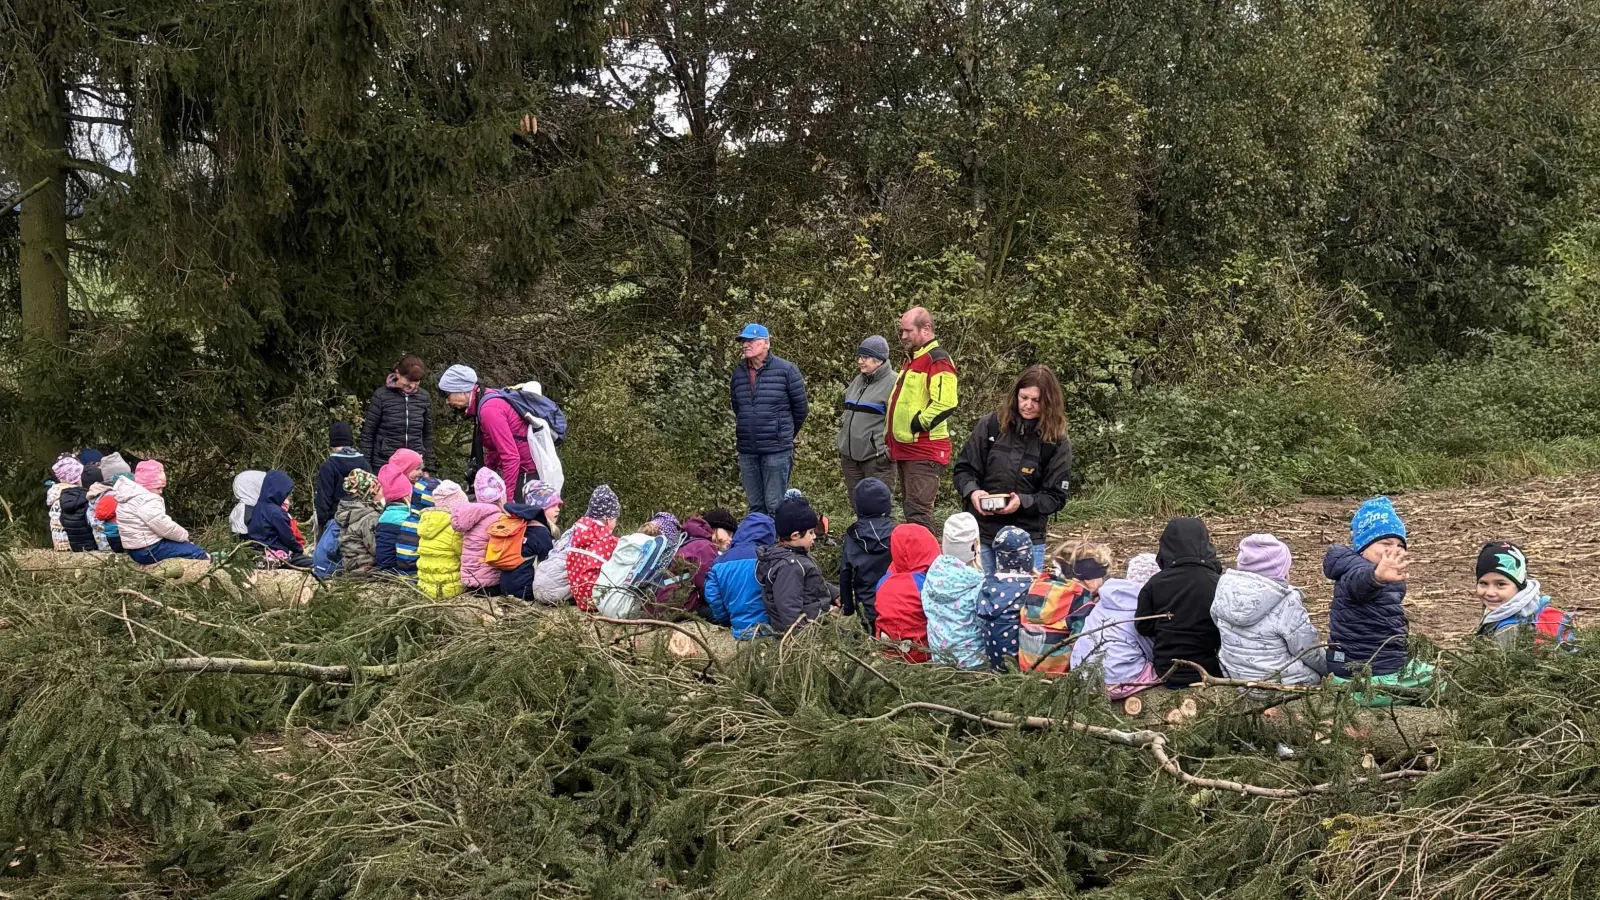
x=912, y=549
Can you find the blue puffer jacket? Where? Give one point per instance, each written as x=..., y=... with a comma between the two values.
x=1367, y=622
x=767, y=418
x=269, y=524
x=733, y=596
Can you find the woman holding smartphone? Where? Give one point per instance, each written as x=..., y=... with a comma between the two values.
x=1016, y=467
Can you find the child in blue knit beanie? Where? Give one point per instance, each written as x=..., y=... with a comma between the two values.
x=1367, y=625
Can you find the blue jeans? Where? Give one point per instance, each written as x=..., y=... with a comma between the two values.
x=986, y=555
x=765, y=477
x=165, y=549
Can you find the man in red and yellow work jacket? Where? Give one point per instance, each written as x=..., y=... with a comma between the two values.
x=919, y=409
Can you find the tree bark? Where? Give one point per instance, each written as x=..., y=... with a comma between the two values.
x=43, y=263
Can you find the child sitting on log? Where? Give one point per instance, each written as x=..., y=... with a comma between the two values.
x=1513, y=601
x=792, y=587
x=1109, y=641
x=1000, y=603
x=439, y=545
x=357, y=515
x=1182, y=592
x=950, y=596
x=912, y=549
x=1057, y=605
x=69, y=507
x=473, y=520
x=397, y=490
x=865, y=558
x=1367, y=626
x=1266, y=633
x=271, y=527
x=148, y=534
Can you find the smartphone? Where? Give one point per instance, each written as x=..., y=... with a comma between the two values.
x=994, y=503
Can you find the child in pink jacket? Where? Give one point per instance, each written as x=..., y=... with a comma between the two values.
x=473, y=521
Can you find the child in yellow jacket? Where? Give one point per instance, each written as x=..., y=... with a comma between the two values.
x=439, y=545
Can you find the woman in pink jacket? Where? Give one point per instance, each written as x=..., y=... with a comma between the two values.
x=473, y=521
x=499, y=435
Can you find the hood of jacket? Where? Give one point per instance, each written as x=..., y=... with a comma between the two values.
x=874, y=534
x=275, y=488
x=1185, y=542
x=696, y=529
x=950, y=580
x=468, y=516
x=912, y=548
x=1119, y=595
x=757, y=530
x=1245, y=598
x=771, y=554
x=1013, y=550
x=433, y=523
x=127, y=490
x=247, y=486
x=525, y=511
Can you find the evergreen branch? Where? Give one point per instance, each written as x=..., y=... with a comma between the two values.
x=101, y=169
x=1153, y=741
x=13, y=204
x=224, y=665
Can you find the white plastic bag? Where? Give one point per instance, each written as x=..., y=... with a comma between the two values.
x=542, y=447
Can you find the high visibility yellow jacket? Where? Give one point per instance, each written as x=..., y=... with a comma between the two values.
x=920, y=407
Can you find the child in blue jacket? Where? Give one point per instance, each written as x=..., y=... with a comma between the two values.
x=733, y=595
x=1367, y=625
x=270, y=526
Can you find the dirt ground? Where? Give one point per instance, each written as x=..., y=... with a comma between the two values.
x=1552, y=519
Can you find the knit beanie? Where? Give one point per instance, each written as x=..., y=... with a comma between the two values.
x=1505, y=558
x=1013, y=550
x=794, y=516
x=67, y=469
x=396, y=486
x=362, y=484
x=339, y=435
x=874, y=347
x=1264, y=554
x=112, y=465
x=406, y=459
x=872, y=499
x=961, y=537
x=1142, y=568
x=458, y=379
x=541, y=496
x=448, y=495
x=792, y=494
x=488, y=486
x=91, y=475
x=422, y=493
x=89, y=456
x=150, y=475
x=1375, y=520
x=603, y=504
x=721, y=518
x=668, y=525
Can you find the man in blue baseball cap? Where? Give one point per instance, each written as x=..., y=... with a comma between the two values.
x=769, y=406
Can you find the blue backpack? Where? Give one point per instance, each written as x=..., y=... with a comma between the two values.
x=325, y=561
x=529, y=404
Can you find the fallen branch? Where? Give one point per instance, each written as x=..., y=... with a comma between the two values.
x=1153, y=741
x=224, y=665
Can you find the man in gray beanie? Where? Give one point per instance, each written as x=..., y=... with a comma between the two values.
x=862, y=452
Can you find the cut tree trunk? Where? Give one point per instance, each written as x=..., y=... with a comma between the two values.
x=270, y=587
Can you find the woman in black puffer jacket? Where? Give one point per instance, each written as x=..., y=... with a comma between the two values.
x=399, y=415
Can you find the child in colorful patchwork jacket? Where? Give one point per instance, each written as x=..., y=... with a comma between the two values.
x=1057, y=605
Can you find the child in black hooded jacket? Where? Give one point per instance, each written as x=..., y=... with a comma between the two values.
x=1183, y=589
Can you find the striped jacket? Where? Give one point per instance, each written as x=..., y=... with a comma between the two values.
x=920, y=407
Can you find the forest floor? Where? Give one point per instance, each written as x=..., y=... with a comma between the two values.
x=1552, y=519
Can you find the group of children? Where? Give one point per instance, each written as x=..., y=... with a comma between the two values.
x=1173, y=619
